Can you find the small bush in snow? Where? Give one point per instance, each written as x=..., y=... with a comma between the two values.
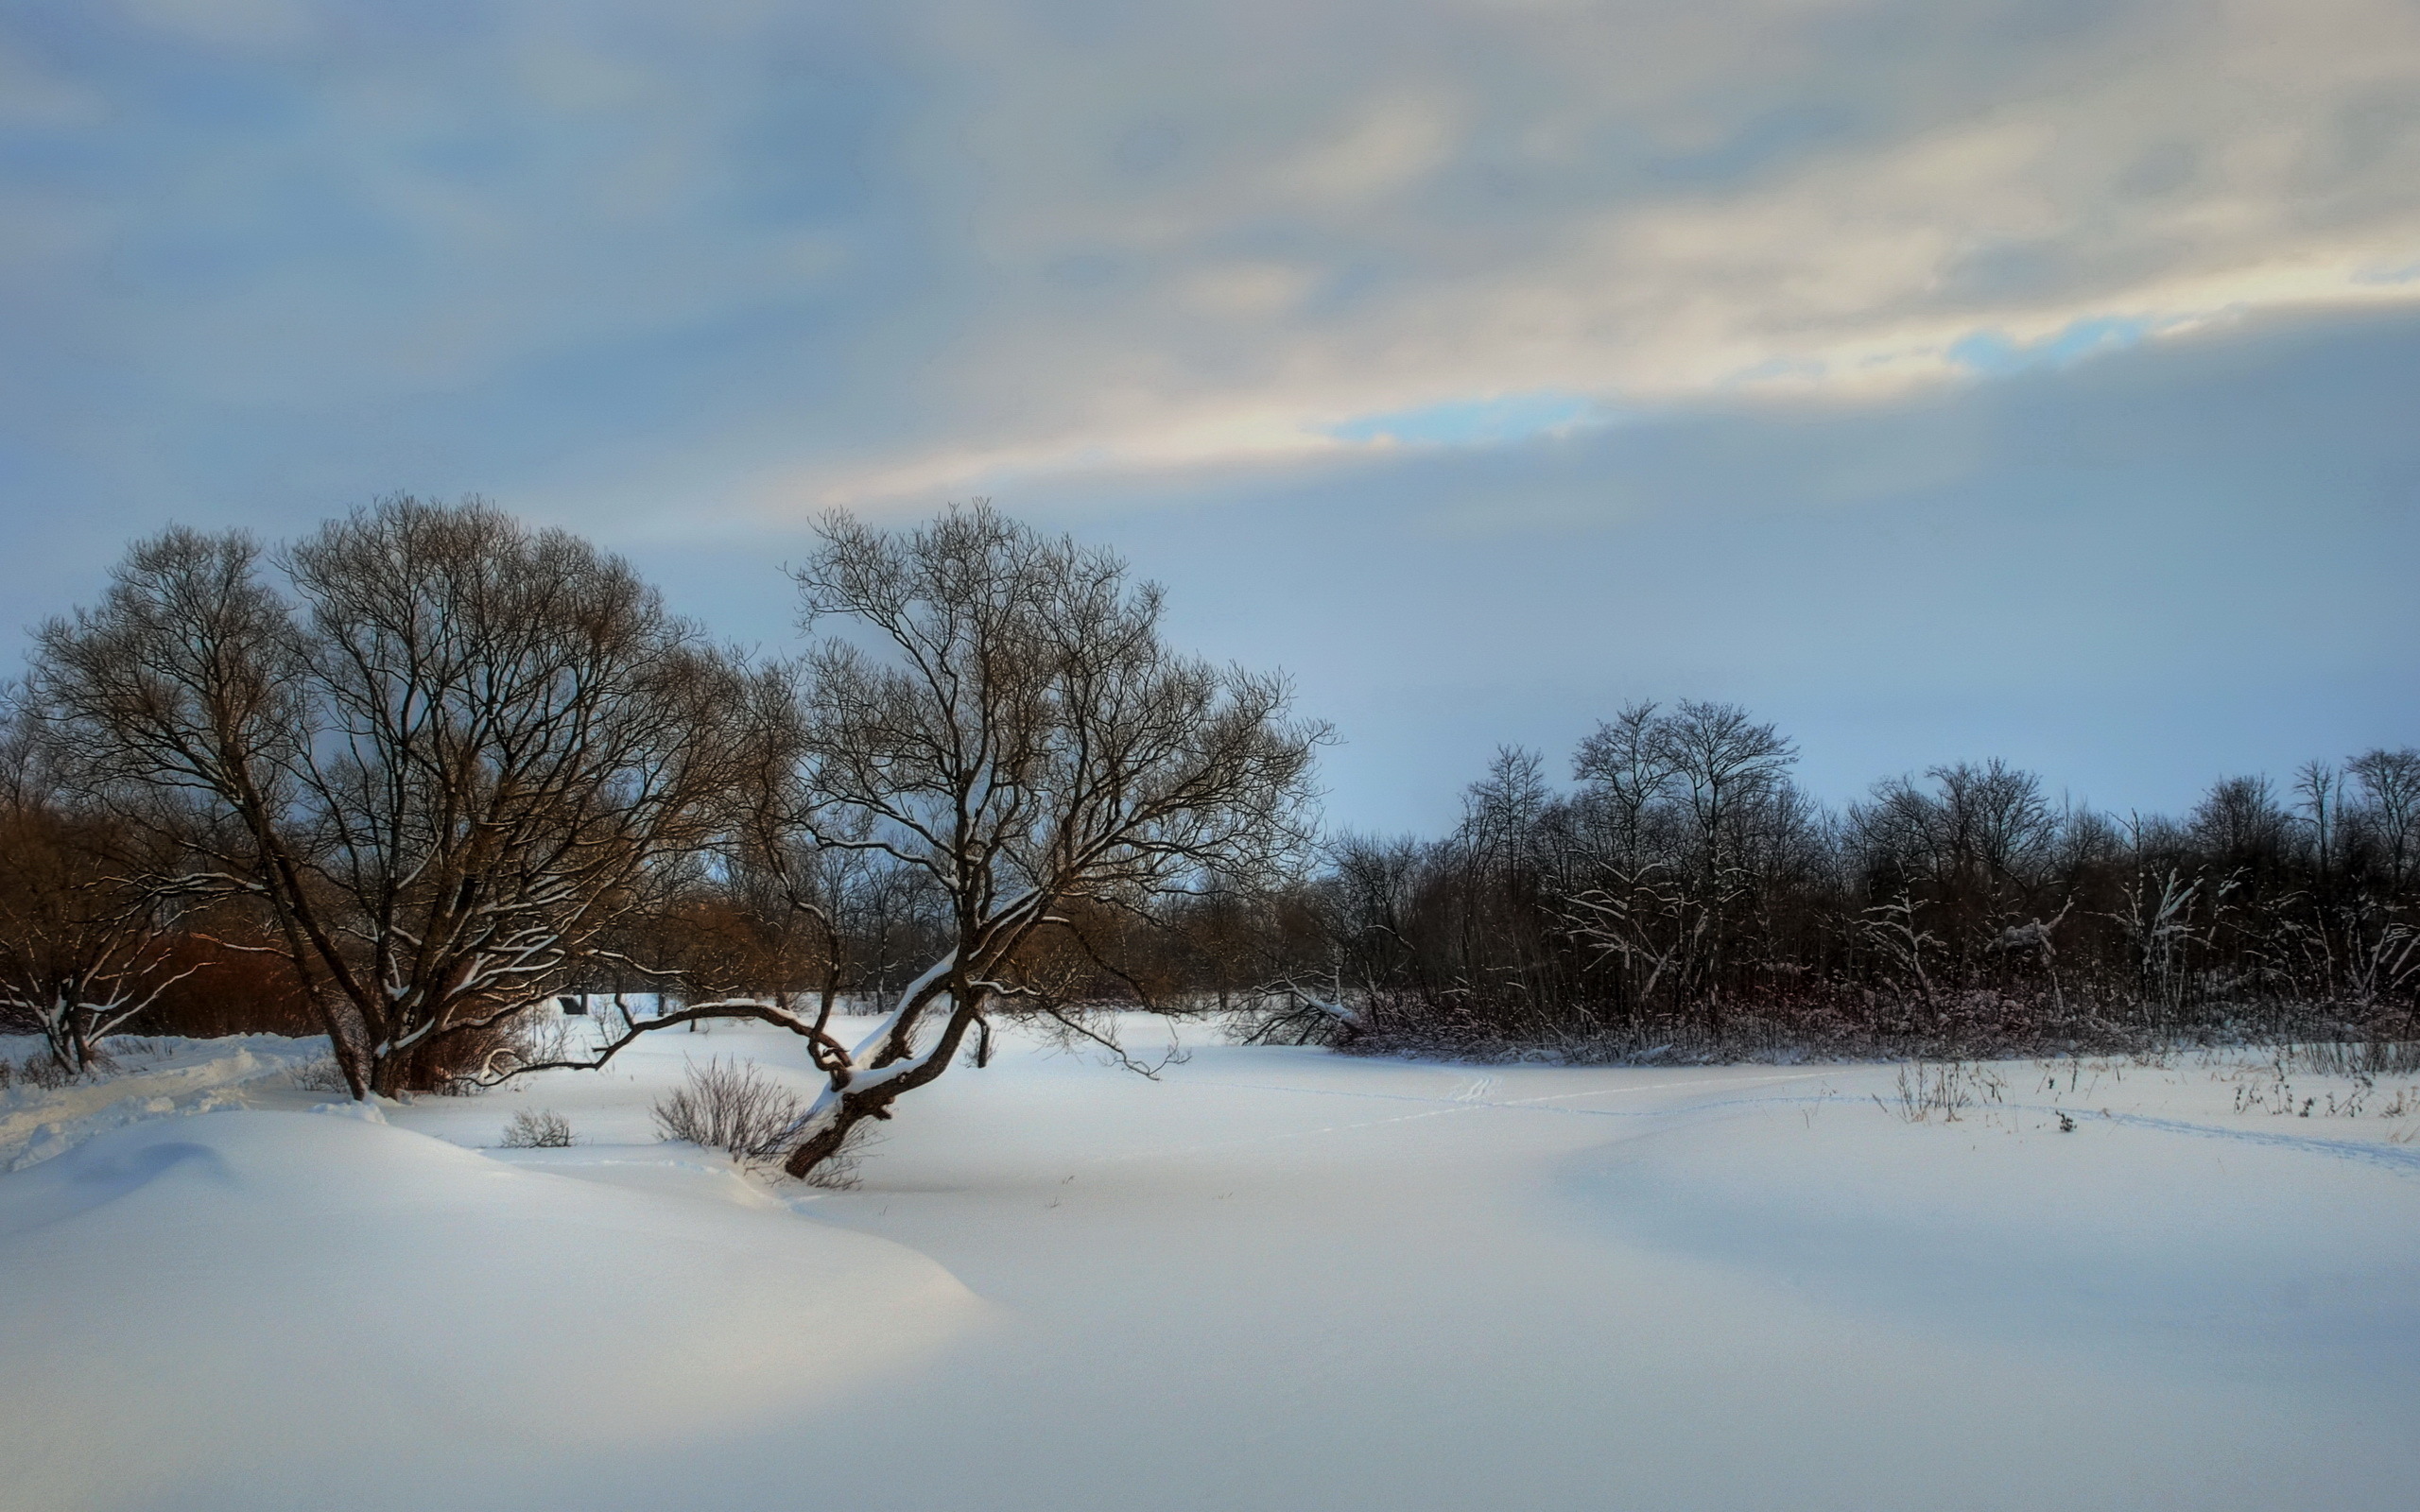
x=321, y=1076
x=1949, y=1087
x=542, y=1129
x=41, y=1071
x=2370, y=1057
x=732, y=1106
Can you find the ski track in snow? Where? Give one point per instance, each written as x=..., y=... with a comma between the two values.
x=2401, y=1159
x=1472, y=1097
x=1462, y=1102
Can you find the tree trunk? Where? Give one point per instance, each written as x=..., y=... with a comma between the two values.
x=855, y=1107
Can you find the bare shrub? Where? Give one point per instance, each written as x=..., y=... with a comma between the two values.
x=538, y=1130
x=43, y=1071
x=321, y=1076
x=542, y=1037
x=732, y=1105
x=1947, y=1088
x=2360, y=1058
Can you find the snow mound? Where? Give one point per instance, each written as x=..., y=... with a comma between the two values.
x=238, y=1308
x=2248, y=1253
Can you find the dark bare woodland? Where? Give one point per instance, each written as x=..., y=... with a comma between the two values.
x=435, y=768
x=1684, y=897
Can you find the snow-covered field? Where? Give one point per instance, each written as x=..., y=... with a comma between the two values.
x=1273, y=1279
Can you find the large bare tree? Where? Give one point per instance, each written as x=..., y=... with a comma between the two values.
x=442, y=758
x=998, y=711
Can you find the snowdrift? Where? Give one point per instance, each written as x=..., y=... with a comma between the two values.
x=261, y=1309
x=1273, y=1280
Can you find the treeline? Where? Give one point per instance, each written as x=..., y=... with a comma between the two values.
x=406, y=779
x=1682, y=892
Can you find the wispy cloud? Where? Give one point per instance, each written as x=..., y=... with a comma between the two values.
x=1474, y=421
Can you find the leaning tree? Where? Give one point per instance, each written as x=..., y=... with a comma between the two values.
x=997, y=710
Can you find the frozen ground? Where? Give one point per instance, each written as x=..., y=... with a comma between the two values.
x=1274, y=1278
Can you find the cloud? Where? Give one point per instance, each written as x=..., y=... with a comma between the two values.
x=1352, y=214
x=774, y=256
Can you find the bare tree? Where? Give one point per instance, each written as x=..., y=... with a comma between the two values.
x=2390, y=783
x=1997, y=824
x=1625, y=765
x=1501, y=812
x=1026, y=739
x=1965, y=852
x=2321, y=788
x=1003, y=718
x=2240, y=818
x=81, y=948
x=1725, y=767
x=1722, y=760
x=794, y=888
x=443, y=766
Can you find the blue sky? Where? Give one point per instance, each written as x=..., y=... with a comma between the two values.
x=2026, y=379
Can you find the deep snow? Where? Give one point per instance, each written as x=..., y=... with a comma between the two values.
x=1273, y=1279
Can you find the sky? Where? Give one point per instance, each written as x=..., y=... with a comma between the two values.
x=2030, y=378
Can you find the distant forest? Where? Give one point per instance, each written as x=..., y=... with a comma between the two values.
x=409, y=780
x=1682, y=895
